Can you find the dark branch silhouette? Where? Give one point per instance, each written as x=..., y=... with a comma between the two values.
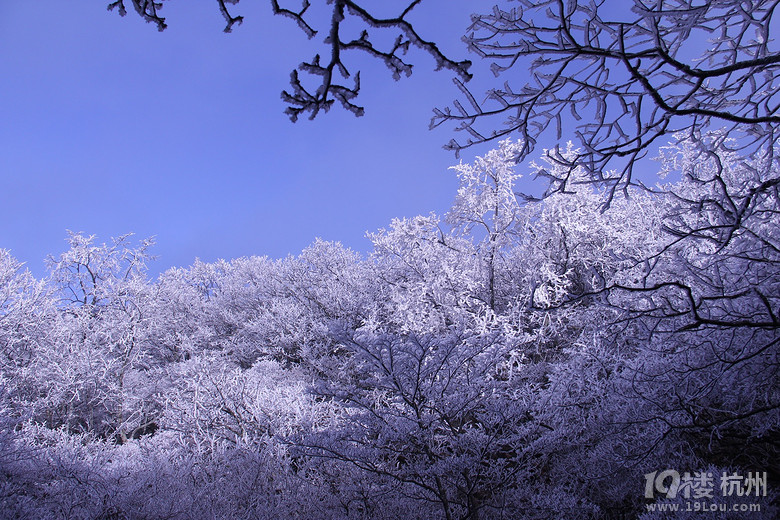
x=627, y=79
x=329, y=73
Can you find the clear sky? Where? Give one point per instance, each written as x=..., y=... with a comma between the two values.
x=108, y=126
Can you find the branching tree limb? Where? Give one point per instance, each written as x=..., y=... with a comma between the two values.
x=328, y=88
x=627, y=79
x=301, y=100
x=145, y=9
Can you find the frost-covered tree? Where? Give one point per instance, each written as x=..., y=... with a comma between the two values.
x=27, y=315
x=446, y=394
x=91, y=373
x=486, y=206
x=682, y=336
x=257, y=308
x=709, y=304
x=523, y=358
x=428, y=278
x=25, y=307
x=428, y=414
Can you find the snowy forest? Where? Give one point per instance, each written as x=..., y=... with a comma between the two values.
x=605, y=349
x=510, y=359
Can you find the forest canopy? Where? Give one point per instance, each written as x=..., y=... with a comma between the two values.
x=607, y=350
x=509, y=359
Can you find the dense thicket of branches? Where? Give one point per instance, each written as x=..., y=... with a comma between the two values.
x=626, y=76
x=516, y=360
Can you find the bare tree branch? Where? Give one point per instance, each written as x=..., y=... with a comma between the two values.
x=627, y=79
x=327, y=89
x=145, y=9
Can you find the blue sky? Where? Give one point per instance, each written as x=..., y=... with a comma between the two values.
x=108, y=126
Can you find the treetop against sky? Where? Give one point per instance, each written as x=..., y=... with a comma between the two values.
x=112, y=126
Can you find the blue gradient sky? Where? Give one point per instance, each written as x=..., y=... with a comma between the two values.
x=108, y=126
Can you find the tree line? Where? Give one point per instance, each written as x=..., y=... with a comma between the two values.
x=510, y=359
x=517, y=357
